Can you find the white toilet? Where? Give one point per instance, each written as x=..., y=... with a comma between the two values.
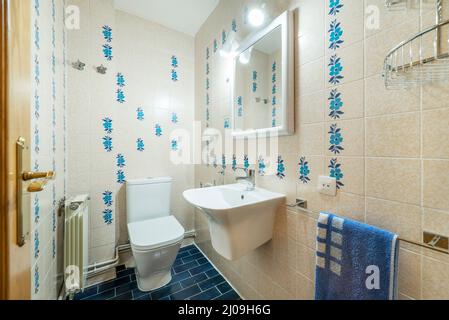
x=155, y=235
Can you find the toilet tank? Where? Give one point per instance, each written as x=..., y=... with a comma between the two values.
x=148, y=198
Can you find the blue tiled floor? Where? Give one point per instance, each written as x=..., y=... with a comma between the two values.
x=193, y=278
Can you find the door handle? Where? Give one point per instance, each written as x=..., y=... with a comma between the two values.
x=27, y=176
x=22, y=225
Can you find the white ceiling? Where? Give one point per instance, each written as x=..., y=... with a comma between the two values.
x=186, y=16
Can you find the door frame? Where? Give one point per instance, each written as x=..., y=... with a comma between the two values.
x=4, y=272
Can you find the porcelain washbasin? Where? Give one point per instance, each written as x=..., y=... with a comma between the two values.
x=239, y=220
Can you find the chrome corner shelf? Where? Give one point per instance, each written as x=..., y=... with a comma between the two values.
x=405, y=66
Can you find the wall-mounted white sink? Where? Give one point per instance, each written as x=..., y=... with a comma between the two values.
x=240, y=221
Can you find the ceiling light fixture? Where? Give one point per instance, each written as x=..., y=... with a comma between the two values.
x=256, y=17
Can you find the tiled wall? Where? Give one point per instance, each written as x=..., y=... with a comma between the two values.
x=48, y=145
x=120, y=123
x=387, y=149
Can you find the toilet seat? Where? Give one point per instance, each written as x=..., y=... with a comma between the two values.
x=155, y=233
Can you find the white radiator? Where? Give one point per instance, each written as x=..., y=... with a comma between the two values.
x=76, y=243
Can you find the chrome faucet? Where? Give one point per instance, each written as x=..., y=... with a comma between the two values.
x=250, y=179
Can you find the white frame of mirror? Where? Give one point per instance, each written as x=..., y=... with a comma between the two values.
x=285, y=21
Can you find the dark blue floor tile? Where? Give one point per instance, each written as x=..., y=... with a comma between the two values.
x=193, y=280
x=125, y=288
x=125, y=273
x=137, y=294
x=103, y=296
x=186, y=293
x=124, y=297
x=205, y=267
x=202, y=261
x=120, y=268
x=207, y=295
x=178, y=262
x=212, y=273
x=212, y=282
x=231, y=295
x=224, y=287
x=180, y=276
x=165, y=298
x=185, y=267
x=194, y=250
x=87, y=293
x=197, y=256
x=133, y=277
x=188, y=259
x=145, y=296
x=183, y=254
x=113, y=283
x=165, y=291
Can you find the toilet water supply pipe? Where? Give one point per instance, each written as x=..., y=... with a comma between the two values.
x=98, y=268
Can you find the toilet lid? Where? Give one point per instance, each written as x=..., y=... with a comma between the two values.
x=155, y=233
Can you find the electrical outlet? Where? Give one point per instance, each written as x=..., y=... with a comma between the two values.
x=327, y=186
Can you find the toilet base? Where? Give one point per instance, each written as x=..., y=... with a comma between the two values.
x=153, y=282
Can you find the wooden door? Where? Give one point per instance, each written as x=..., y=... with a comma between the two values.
x=15, y=264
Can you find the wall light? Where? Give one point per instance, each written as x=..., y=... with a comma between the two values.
x=245, y=57
x=230, y=45
x=256, y=17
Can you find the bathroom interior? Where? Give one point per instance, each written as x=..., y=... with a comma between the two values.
x=226, y=150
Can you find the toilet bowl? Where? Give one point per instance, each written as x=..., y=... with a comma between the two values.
x=154, y=234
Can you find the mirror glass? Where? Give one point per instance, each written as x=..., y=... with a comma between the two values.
x=258, y=84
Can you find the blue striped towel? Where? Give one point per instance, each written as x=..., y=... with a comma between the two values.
x=355, y=261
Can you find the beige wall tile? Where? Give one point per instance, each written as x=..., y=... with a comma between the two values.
x=311, y=139
x=311, y=108
x=409, y=277
x=402, y=219
x=379, y=100
x=394, y=179
x=436, y=184
x=393, y=136
x=435, y=282
x=311, y=77
x=436, y=222
x=435, y=134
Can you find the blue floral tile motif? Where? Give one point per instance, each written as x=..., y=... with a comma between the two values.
x=174, y=145
x=37, y=70
x=335, y=70
x=334, y=7
x=107, y=52
x=223, y=163
x=36, y=140
x=274, y=67
x=121, y=96
x=121, y=161
x=254, y=87
x=140, y=114
x=37, y=36
x=274, y=101
x=36, y=279
x=304, y=170
x=158, y=130
x=215, y=45
x=274, y=89
x=140, y=145
x=37, y=7
x=207, y=68
x=336, y=172
x=207, y=53
x=234, y=26
x=107, y=217
x=245, y=162
x=174, y=61
x=280, y=168
x=240, y=106
x=107, y=33
x=273, y=123
x=121, y=177
x=207, y=114
x=120, y=80
x=207, y=84
x=234, y=163
x=53, y=248
x=262, y=167
x=274, y=112
x=214, y=163
x=36, y=244
x=37, y=209
x=107, y=144
x=224, y=37
x=335, y=104
x=107, y=198
x=174, y=75
x=227, y=123
x=107, y=125
x=174, y=118
x=336, y=139
x=335, y=35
